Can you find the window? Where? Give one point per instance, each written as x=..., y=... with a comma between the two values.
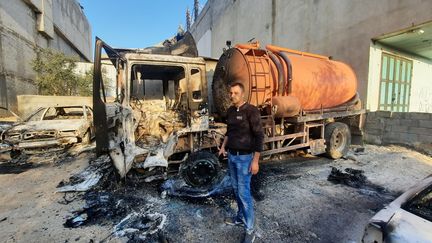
x=89, y=113
x=421, y=205
x=395, y=83
x=62, y=113
x=196, y=84
x=37, y=115
x=156, y=82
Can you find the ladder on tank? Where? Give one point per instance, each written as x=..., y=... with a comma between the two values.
x=263, y=74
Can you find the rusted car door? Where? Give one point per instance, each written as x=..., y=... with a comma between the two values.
x=99, y=94
x=114, y=119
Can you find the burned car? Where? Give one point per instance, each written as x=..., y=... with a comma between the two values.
x=51, y=129
x=8, y=118
x=406, y=219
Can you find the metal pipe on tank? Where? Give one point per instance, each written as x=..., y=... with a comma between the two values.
x=280, y=73
x=289, y=71
x=301, y=53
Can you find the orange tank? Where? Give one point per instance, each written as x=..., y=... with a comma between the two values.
x=287, y=80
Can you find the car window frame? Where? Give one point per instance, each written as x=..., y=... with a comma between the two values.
x=406, y=206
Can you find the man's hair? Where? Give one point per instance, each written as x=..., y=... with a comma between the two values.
x=238, y=84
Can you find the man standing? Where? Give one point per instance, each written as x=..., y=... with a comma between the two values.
x=243, y=142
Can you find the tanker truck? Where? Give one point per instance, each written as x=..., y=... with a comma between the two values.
x=165, y=111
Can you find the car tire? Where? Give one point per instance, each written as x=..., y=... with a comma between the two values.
x=338, y=139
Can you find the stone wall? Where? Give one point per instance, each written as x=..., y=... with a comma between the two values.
x=385, y=127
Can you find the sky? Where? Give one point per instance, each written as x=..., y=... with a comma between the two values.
x=136, y=23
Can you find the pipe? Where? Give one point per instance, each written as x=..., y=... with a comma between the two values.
x=282, y=49
x=280, y=73
x=253, y=45
x=289, y=67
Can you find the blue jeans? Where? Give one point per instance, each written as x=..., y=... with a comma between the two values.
x=241, y=179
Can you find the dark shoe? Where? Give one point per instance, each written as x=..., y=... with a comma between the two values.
x=249, y=237
x=233, y=221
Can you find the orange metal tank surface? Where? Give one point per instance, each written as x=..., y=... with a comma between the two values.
x=306, y=81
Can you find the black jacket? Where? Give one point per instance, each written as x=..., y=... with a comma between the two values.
x=244, y=129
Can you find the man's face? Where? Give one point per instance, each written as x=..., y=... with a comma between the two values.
x=236, y=95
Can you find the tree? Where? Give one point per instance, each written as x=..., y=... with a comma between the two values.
x=55, y=74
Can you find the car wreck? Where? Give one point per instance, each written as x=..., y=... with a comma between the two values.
x=406, y=219
x=168, y=105
x=51, y=129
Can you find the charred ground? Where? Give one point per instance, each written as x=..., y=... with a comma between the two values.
x=299, y=204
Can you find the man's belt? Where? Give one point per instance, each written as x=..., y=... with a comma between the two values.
x=239, y=152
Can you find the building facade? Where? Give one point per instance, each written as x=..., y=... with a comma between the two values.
x=28, y=25
x=387, y=43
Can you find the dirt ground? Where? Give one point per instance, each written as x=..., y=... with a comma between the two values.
x=300, y=204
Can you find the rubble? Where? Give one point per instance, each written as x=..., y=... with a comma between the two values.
x=88, y=178
x=140, y=225
x=178, y=187
x=104, y=207
x=351, y=177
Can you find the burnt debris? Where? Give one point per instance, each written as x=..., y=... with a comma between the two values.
x=350, y=177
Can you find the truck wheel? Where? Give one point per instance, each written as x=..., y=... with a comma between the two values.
x=338, y=139
x=201, y=169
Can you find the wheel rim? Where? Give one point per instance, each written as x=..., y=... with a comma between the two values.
x=339, y=140
x=201, y=173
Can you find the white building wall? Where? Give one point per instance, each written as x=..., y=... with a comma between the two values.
x=204, y=44
x=421, y=80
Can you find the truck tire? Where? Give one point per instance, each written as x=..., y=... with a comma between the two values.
x=337, y=136
x=201, y=170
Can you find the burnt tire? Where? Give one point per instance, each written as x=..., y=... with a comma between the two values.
x=338, y=139
x=15, y=154
x=201, y=170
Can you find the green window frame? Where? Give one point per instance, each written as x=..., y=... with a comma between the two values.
x=395, y=83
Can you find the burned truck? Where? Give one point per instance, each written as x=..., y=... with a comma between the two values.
x=166, y=111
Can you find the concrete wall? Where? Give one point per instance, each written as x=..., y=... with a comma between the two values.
x=109, y=73
x=29, y=103
x=385, y=127
x=27, y=25
x=71, y=23
x=421, y=81
x=339, y=28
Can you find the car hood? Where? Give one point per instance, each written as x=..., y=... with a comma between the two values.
x=58, y=125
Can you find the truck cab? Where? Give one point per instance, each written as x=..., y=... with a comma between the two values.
x=157, y=112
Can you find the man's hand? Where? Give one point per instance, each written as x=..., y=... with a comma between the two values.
x=222, y=152
x=254, y=167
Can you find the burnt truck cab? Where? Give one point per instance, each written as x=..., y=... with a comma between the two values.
x=158, y=112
